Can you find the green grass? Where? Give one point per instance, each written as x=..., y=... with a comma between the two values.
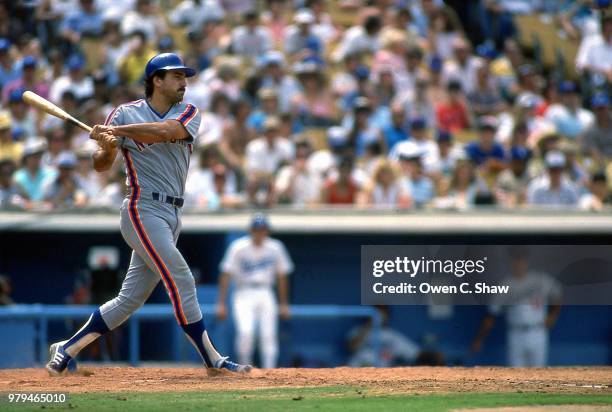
x=291, y=399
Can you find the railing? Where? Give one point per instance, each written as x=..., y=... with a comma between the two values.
x=42, y=314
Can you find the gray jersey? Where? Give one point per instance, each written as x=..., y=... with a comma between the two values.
x=157, y=167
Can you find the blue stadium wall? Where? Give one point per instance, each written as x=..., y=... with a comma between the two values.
x=43, y=268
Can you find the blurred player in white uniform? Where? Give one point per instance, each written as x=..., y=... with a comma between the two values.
x=254, y=263
x=531, y=308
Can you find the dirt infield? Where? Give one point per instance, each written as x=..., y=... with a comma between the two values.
x=384, y=381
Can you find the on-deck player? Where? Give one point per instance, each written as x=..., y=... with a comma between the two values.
x=255, y=263
x=156, y=137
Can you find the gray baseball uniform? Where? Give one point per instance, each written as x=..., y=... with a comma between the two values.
x=151, y=227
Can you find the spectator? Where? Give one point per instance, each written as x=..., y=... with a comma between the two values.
x=597, y=141
x=10, y=197
x=214, y=120
x=464, y=187
x=484, y=99
x=452, y=114
x=296, y=184
x=65, y=191
x=301, y=40
x=274, y=18
x=443, y=32
x=269, y=106
x=144, y=18
x=397, y=131
x=86, y=22
x=135, y=58
x=9, y=69
x=113, y=192
x=552, y=189
x=341, y=188
x=385, y=189
x=33, y=177
x=315, y=104
x=599, y=198
x=28, y=80
x=419, y=186
x=76, y=81
x=595, y=55
x=236, y=135
x=251, y=40
x=274, y=77
x=22, y=118
x=264, y=156
x=9, y=149
x=362, y=133
x=512, y=183
x=569, y=118
x=462, y=68
x=448, y=154
x=201, y=191
x=360, y=39
x=422, y=139
x=195, y=13
x=485, y=152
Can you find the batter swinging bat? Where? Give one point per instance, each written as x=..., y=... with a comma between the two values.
x=46, y=106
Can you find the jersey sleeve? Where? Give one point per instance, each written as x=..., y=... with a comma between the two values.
x=116, y=118
x=190, y=118
x=284, y=265
x=229, y=264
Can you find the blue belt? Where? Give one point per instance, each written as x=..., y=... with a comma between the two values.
x=174, y=201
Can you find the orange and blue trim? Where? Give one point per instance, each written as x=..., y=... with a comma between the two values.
x=166, y=276
x=188, y=114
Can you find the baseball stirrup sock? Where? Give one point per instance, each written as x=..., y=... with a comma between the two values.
x=196, y=332
x=91, y=330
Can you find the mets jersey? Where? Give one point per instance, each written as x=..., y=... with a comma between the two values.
x=157, y=167
x=249, y=265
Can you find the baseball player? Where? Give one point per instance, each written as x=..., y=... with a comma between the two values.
x=254, y=263
x=156, y=136
x=531, y=309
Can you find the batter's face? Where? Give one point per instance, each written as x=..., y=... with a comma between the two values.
x=259, y=235
x=172, y=86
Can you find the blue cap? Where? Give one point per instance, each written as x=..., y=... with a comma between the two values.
x=568, y=86
x=600, y=99
x=165, y=42
x=444, y=136
x=29, y=61
x=361, y=72
x=66, y=160
x=487, y=51
x=418, y=123
x=167, y=61
x=16, y=95
x=259, y=221
x=435, y=63
x=75, y=62
x=5, y=44
x=520, y=153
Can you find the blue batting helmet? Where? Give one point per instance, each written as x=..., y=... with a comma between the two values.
x=167, y=61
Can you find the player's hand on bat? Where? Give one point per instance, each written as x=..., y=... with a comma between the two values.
x=284, y=312
x=99, y=130
x=221, y=311
x=106, y=141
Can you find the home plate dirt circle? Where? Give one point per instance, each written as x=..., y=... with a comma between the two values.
x=596, y=380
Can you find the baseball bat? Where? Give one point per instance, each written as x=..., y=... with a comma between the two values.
x=46, y=106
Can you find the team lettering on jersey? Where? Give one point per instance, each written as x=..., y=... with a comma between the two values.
x=141, y=147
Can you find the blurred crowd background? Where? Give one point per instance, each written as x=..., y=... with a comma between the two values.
x=392, y=104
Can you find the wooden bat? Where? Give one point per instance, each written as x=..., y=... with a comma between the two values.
x=46, y=106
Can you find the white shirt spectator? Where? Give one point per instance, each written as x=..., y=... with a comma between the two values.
x=261, y=157
x=356, y=40
x=466, y=74
x=188, y=13
x=152, y=25
x=305, y=185
x=200, y=185
x=251, y=44
x=82, y=89
x=595, y=54
x=540, y=193
x=570, y=124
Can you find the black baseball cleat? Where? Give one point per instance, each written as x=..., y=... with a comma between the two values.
x=59, y=360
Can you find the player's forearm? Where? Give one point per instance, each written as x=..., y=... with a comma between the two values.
x=283, y=290
x=103, y=159
x=156, y=132
x=223, y=286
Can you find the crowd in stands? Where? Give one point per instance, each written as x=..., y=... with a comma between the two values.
x=389, y=104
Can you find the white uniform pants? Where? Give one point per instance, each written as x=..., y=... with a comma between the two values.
x=527, y=346
x=256, y=310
